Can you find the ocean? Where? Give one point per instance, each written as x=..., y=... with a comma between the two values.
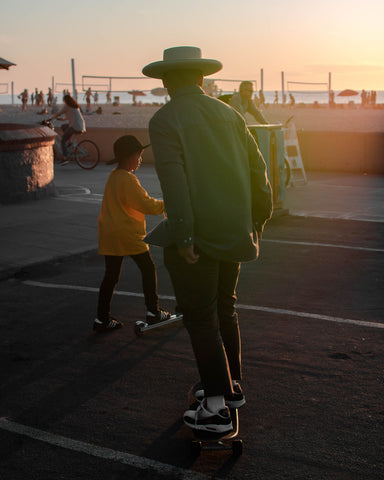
x=307, y=97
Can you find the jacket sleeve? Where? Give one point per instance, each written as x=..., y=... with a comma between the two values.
x=256, y=113
x=169, y=163
x=235, y=102
x=260, y=186
x=140, y=200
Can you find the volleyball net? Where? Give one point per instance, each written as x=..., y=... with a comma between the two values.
x=118, y=84
x=4, y=88
x=304, y=87
x=224, y=85
x=146, y=84
x=308, y=91
x=60, y=87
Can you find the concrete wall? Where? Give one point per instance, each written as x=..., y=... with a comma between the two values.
x=26, y=163
x=321, y=151
x=105, y=137
x=343, y=152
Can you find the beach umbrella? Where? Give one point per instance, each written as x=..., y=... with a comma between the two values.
x=136, y=93
x=159, y=92
x=347, y=93
x=4, y=64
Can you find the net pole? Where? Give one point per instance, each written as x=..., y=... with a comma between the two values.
x=262, y=79
x=329, y=86
x=73, y=78
x=282, y=87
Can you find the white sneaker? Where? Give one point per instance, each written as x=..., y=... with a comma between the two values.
x=200, y=418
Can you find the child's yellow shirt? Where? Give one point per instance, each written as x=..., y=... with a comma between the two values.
x=122, y=218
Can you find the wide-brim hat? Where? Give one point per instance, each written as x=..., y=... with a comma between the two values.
x=182, y=58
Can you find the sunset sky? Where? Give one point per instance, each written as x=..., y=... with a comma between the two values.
x=305, y=39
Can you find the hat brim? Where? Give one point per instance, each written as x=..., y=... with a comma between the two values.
x=205, y=65
x=115, y=160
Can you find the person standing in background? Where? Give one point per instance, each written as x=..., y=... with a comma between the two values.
x=243, y=103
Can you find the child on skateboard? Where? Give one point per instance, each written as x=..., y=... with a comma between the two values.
x=121, y=231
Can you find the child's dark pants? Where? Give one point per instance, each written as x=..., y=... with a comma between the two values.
x=113, y=266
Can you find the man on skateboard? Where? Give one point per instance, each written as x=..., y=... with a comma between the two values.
x=217, y=199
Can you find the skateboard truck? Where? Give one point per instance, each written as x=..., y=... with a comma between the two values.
x=141, y=327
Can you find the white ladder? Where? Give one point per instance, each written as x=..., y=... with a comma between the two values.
x=293, y=155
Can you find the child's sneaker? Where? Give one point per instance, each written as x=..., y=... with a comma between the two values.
x=236, y=400
x=108, y=325
x=200, y=418
x=158, y=316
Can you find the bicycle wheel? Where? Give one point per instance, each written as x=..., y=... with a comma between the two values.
x=87, y=154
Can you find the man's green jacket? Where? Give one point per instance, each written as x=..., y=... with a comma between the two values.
x=212, y=175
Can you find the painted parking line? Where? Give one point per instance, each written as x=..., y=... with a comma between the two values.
x=331, y=215
x=93, y=198
x=276, y=311
x=125, y=458
x=325, y=245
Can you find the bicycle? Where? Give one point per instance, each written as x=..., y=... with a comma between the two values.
x=85, y=153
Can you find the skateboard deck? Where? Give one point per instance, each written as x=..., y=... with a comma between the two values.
x=215, y=441
x=141, y=327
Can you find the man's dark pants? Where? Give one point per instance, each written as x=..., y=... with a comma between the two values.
x=206, y=294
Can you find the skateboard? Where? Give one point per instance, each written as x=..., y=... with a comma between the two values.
x=215, y=441
x=141, y=327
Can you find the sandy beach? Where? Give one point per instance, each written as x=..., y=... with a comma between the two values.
x=306, y=118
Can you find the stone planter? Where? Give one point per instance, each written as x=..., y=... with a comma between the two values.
x=26, y=162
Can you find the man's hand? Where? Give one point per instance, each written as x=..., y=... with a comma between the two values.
x=189, y=255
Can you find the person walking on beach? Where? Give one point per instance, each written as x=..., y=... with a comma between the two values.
x=37, y=98
x=121, y=232
x=42, y=101
x=24, y=99
x=49, y=97
x=88, y=96
x=243, y=103
x=218, y=199
x=76, y=124
x=276, y=100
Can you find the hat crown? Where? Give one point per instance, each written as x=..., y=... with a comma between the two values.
x=179, y=58
x=182, y=53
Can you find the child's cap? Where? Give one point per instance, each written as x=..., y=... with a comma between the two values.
x=126, y=146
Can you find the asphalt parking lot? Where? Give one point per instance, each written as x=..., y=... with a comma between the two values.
x=77, y=405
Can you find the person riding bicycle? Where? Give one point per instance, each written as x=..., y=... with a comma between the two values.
x=76, y=124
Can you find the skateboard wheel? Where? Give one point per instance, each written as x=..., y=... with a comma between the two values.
x=137, y=329
x=237, y=447
x=196, y=448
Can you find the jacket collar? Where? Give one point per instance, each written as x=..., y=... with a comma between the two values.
x=192, y=90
